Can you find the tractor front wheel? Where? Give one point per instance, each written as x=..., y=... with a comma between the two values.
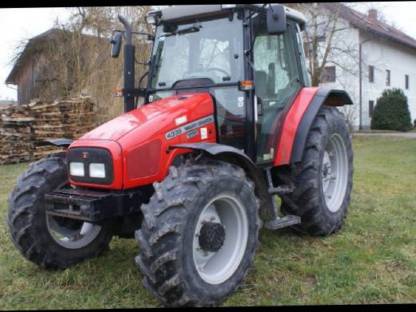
x=49, y=241
x=199, y=234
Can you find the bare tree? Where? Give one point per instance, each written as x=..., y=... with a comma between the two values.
x=322, y=45
x=94, y=72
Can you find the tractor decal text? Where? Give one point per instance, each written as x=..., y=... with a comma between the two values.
x=191, y=134
x=189, y=127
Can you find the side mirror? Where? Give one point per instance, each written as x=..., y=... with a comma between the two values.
x=276, y=19
x=116, y=44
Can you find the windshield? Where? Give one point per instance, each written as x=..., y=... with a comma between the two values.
x=210, y=49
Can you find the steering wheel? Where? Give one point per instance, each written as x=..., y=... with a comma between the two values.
x=203, y=72
x=217, y=69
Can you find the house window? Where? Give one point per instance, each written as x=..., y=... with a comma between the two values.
x=328, y=74
x=371, y=73
x=370, y=108
x=387, y=77
x=406, y=81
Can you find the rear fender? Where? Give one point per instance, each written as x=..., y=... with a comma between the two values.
x=235, y=156
x=299, y=119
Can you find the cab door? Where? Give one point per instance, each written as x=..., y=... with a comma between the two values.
x=277, y=79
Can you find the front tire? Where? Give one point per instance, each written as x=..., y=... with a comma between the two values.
x=323, y=181
x=199, y=234
x=50, y=242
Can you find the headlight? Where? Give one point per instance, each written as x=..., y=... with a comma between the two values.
x=76, y=169
x=93, y=165
x=97, y=170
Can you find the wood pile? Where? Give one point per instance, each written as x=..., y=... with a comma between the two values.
x=16, y=134
x=24, y=128
x=68, y=118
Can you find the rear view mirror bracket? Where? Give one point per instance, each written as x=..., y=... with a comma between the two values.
x=276, y=19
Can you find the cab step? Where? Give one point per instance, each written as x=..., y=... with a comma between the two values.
x=282, y=222
x=281, y=189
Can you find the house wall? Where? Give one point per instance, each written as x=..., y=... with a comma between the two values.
x=380, y=53
x=344, y=56
x=377, y=51
x=401, y=61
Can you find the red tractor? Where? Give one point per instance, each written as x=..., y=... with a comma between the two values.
x=229, y=123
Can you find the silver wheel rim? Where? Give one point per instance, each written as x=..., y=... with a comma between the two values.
x=76, y=235
x=216, y=267
x=334, y=172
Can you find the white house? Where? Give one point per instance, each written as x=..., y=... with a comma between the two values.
x=380, y=57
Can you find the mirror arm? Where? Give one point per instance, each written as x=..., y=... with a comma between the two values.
x=135, y=91
x=142, y=33
x=128, y=28
x=142, y=77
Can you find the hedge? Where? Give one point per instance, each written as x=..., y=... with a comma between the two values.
x=391, y=112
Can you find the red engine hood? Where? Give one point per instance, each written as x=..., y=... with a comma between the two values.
x=157, y=116
x=139, y=140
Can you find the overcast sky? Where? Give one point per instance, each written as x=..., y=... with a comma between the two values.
x=19, y=24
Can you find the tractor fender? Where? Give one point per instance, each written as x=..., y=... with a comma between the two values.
x=323, y=96
x=58, y=142
x=238, y=157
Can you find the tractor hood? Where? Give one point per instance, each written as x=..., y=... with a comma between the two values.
x=139, y=141
x=162, y=115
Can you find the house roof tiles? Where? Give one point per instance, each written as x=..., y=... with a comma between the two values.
x=375, y=26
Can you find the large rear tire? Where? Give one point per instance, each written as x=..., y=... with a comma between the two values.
x=50, y=242
x=323, y=182
x=199, y=234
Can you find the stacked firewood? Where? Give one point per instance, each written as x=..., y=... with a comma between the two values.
x=16, y=134
x=24, y=128
x=69, y=118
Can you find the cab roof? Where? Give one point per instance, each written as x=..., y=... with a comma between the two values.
x=176, y=12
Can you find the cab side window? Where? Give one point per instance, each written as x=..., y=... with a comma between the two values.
x=277, y=81
x=275, y=70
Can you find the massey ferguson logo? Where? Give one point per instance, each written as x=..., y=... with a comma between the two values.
x=84, y=155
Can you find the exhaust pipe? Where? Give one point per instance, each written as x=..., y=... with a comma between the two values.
x=129, y=75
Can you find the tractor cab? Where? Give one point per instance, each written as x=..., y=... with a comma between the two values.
x=249, y=58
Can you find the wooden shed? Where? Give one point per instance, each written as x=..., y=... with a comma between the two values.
x=46, y=67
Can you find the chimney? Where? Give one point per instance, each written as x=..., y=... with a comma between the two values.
x=372, y=14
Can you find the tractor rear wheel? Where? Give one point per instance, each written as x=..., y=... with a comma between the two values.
x=48, y=241
x=323, y=181
x=199, y=233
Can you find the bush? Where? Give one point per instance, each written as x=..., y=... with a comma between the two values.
x=391, y=112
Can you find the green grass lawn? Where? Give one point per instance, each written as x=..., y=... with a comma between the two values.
x=371, y=260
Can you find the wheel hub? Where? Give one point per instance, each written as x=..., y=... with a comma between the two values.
x=71, y=234
x=334, y=172
x=220, y=238
x=211, y=236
